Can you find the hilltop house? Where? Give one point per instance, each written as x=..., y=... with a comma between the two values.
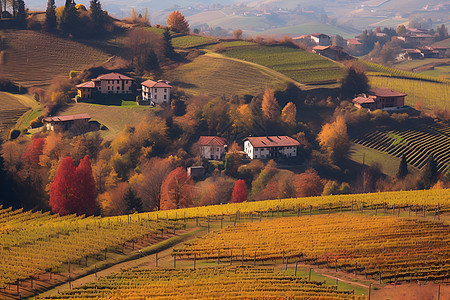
x=111, y=83
x=155, y=92
x=424, y=52
x=69, y=122
x=212, y=147
x=321, y=39
x=380, y=98
x=270, y=147
x=332, y=52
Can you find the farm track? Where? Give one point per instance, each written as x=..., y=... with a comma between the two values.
x=33, y=59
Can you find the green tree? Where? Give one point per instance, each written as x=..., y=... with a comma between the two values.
x=21, y=14
x=401, y=30
x=98, y=16
x=403, y=168
x=353, y=83
x=429, y=174
x=134, y=203
x=441, y=33
x=50, y=16
x=69, y=18
x=170, y=52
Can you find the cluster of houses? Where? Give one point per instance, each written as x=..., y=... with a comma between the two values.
x=380, y=98
x=152, y=92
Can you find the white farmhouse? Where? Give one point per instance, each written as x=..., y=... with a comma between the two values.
x=270, y=147
x=155, y=92
x=321, y=39
x=212, y=147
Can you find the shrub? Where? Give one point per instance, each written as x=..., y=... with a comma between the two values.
x=219, y=48
x=37, y=122
x=14, y=134
x=73, y=74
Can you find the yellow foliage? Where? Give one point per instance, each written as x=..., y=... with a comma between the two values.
x=80, y=7
x=121, y=143
x=136, y=179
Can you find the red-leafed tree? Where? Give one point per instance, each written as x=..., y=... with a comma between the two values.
x=73, y=189
x=85, y=188
x=177, y=190
x=62, y=192
x=240, y=192
x=33, y=151
x=308, y=184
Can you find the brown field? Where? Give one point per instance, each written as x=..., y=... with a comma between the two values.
x=33, y=58
x=11, y=108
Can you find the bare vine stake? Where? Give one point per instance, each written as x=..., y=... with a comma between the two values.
x=286, y=263
x=283, y=257
x=309, y=276
x=195, y=259
x=370, y=288
x=174, y=261
x=221, y=223
x=296, y=265
x=208, y=224
x=231, y=258
x=335, y=265
x=260, y=216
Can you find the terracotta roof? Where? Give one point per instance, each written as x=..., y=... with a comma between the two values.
x=151, y=83
x=305, y=36
x=272, y=141
x=89, y=84
x=421, y=36
x=67, y=118
x=385, y=92
x=354, y=42
x=361, y=100
x=319, y=34
x=113, y=76
x=439, y=47
x=321, y=47
x=212, y=141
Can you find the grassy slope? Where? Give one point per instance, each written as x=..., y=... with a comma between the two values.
x=113, y=117
x=189, y=41
x=33, y=58
x=12, y=106
x=308, y=28
x=215, y=76
x=302, y=66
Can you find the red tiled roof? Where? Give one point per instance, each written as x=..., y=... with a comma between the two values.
x=439, y=47
x=361, y=100
x=354, y=42
x=151, y=83
x=272, y=141
x=321, y=47
x=319, y=34
x=385, y=92
x=212, y=141
x=305, y=36
x=89, y=84
x=67, y=118
x=113, y=76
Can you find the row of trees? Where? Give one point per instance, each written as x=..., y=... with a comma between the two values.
x=14, y=9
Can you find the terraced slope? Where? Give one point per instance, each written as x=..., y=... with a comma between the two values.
x=10, y=110
x=33, y=58
x=416, y=143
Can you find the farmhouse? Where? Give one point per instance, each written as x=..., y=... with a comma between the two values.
x=321, y=39
x=270, y=147
x=332, y=52
x=155, y=92
x=380, y=98
x=70, y=122
x=212, y=147
x=111, y=83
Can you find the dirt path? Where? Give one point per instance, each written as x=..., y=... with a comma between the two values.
x=148, y=261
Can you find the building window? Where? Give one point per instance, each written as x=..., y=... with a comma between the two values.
x=165, y=97
x=118, y=81
x=156, y=96
x=256, y=156
x=165, y=90
x=108, y=87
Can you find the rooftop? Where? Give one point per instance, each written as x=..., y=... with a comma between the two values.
x=272, y=141
x=212, y=141
x=154, y=84
x=67, y=118
x=89, y=84
x=385, y=92
x=113, y=76
x=362, y=100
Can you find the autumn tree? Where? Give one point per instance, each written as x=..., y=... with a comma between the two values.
x=401, y=30
x=239, y=192
x=269, y=106
x=308, y=184
x=176, y=190
x=237, y=34
x=50, y=16
x=69, y=18
x=177, y=22
x=85, y=188
x=233, y=160
x=289, y=114
x=333, y=139
x=353, y=83
x=33, y=151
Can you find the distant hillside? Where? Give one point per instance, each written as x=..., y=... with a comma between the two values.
x=33, y=58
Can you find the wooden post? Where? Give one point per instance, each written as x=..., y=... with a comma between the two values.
x=174, y=261
x=379, y=276
x=362, y=207
x=439, y=292
x=335, y=265
x=300, y=209
x=376, y=210
x=231, y=258
x=195, y=259
x=208, y=223
x=356, y=269
x=283, y=257
x=286, y=263
x=337, y=282
x=340, y=203
x=106, y=250
x=87, y=258
x=309, y=276
x=260, y=216
x=68, y=264
x=296, y=265
x=370, y=289
x=221, y=223
x=409, y=213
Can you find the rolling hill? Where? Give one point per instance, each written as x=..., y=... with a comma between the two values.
x=33, y=59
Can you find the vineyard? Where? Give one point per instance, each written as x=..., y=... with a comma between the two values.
x=35, y=243
x=302, y=66
x=203, y=283
x=417, y=144
x=10, y=110
x=423, y=201
x=387, y=248
x=191, y=41
x=33, y=58
x=215, y=76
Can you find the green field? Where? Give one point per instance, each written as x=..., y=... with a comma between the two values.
x=191, y=41
x=307, y=28
x=302, y=66
x=12, y=107
x=215, y=76
x=115, y=118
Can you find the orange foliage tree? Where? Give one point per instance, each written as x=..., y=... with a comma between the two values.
x=177, y=190
x=269, y=106
x=334, y=139
x=177, y=22
x=33, y=151
x=308, y=184
x=240, y=192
